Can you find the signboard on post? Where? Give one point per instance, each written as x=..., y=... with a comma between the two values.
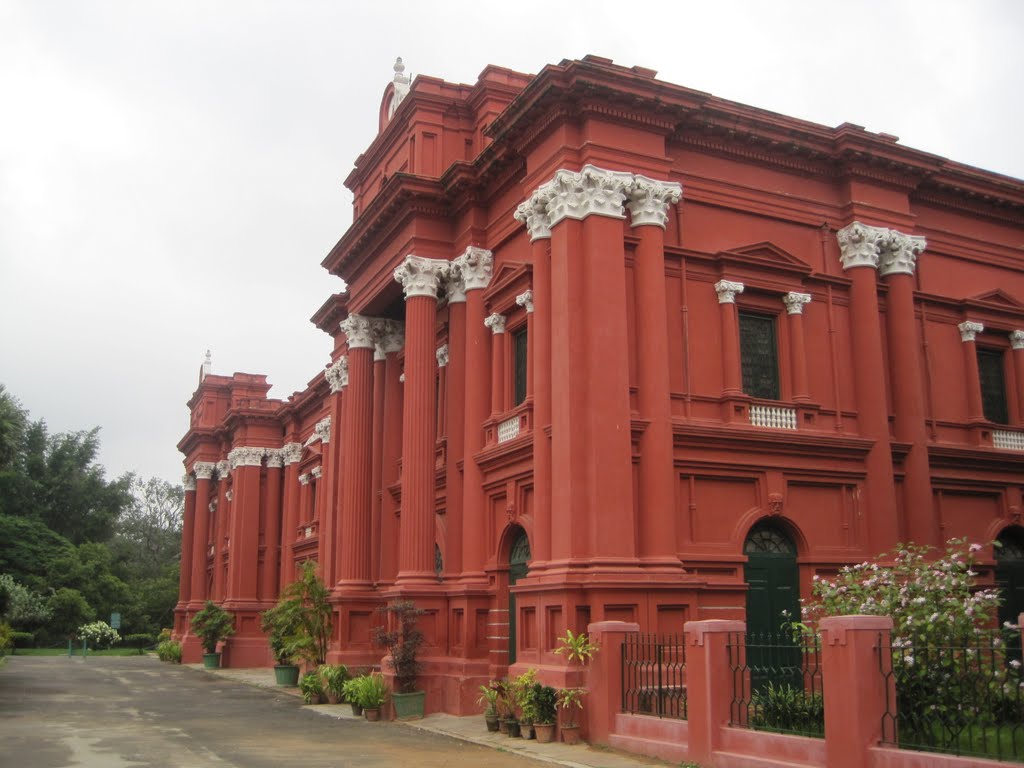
x=115, y=621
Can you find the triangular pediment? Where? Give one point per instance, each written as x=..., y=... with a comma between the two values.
x=766, y=255
x=999, y=298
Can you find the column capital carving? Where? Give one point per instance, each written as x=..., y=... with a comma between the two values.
x=245, y=456
x=1017, y=339
x=592, y=191
x=317, y=472
x=291, y=453
x=455, y=285
x=275, y=458
x=442, y=356
x=421, y=276
x=322, y=429
x=188, y=483
x=859, y=245
x=390, y=337
x=727, y=290
x=204, y=470
x=795, y=302
x=496, y=323
x=475, y=267
x=969, y=330
x=650, y=199
x=525, y=299
x=223, y=469
x=898, y=253
x=304, y=479
x=337, y=374
x=358, y=329
x=534, y=214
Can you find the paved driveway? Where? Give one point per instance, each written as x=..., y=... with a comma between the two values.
x=120, y=712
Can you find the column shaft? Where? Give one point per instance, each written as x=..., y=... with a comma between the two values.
x=394, y=396
x=540, y=365
x=1018, y=371
x=732, y=378
x=272, y=534
x=798, y=357
x=455, y=425
x=200, y=540
x=975, y=408
x=354, y=567
x=477, y=405
x=376, y=472
x=187, y=544
x=220, y=537
x=497, y=374
x=243, y=552
x=289, y=522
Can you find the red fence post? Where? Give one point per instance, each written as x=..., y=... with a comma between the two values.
x=605, y=680
x=708, y=683
x=855, y=690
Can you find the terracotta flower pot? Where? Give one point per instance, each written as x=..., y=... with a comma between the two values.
x=372, y=714
x=333, y=698
x=545, y=732
x=571, y=734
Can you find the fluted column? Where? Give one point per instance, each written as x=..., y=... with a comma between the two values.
x=221, y=531
x=525, y=300
x=354, y=567
x=975, y=408
x=243, y=555
x=203, y=471
x=898, y=258
x=291, y=453
x=1017, y=345
x=187, y=535
x=732, y=365
x=649, y=203
x=859, y=251
x=795, y=303
x=533, y=213
x=474, y=268
x=377, y=459
x=272, y=525
x=455, y=419
x=442, y=389
x=420, y=279
x=496, y=323
x=391, y=446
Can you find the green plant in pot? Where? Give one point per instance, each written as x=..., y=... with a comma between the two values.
x=488, y=699
x=578, y=650
x=543, y=703
x=212, y=625
x=312, y=688
x=334, y=677
x=503, y=704
x=283, y=625
x=373, y=694
x=350, y=691
x=402, y=643
x=519, y=689
x=571, y=701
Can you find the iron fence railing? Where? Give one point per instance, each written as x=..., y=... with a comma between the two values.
x=962, y=697
x=654, y=675
x=776, y=683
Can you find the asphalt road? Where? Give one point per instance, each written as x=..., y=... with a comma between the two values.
x=123, y=712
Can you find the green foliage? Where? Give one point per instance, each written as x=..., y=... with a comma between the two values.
x=350, y=690
x=370, y=691
x=788, y=709
x=211, y=625
x=23, y=639
x=540, y=704
x=25, y=608
x=285, y=631
x=402, y=643
x=312, y=687
x=137, y=640
x=334, y=677
x=570, y=700
x=28, y=549
x=488, y=699
x=98, y=634
x=577, y=648
x=70, y=610
x=519, y=692
x=6, y=641
x=168, y=650
x=299, y=626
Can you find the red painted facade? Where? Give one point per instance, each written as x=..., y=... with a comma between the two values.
x=627, y=227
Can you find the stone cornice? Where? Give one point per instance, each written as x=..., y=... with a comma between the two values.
x=359, y=331
x=421, y=276
x=204, y=470
x=795, y=302
x=727, y=290
x=475, y=267
x=525, y=300
x=496, y=323
x=969, y=330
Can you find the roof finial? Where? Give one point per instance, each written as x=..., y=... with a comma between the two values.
x=401, y=83
x=207, y=366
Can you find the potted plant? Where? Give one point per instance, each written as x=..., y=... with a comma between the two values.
x=299, y=626
x=373, y=694
x=212, y=625
x=350, y=690
x=312, y=688
x=544, y=705
x=333, y=677
x=488, y=699
x=520, y=688
x=570, y=700
x=502, y=703
x=283, y=625
x=403, y=644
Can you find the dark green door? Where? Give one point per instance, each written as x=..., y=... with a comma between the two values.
x=773, y=591
x=1010, y=578
x=517, y=569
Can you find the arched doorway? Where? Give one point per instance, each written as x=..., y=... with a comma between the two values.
x=518, y=560
x=772, y=576
x=1010, y=579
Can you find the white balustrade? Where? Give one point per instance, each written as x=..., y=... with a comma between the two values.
x=1007, y=440
x=773, y=417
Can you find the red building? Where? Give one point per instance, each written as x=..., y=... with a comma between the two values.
x=616, y=349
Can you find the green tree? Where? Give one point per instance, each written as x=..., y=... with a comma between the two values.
x=13, y=421
x=25, y=609
x=70, y=610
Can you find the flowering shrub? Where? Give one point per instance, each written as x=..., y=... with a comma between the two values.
x=99, y=634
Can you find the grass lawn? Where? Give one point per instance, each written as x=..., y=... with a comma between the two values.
x=78, y=652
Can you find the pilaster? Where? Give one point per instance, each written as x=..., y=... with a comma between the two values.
x=1017, y=352
x=795, y=303
x=732, y=372
x=203, y=471
x=975, y=408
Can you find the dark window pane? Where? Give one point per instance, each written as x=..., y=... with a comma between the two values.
x=759, y=355
x=993, y=385
x=519, y=345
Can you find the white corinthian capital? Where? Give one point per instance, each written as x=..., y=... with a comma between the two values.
x=727, y=290
x=534, y=214
x=291, y=453
x=358, y=329
x=898, y=253
x=525, y=299
x=420, y=276
x=1017, y=340
x=795, y=302
x=592, y=191
x=496, y=323
x=649, y=201
x=442, y=356
x=337, y=374
x=246, y=457
x=188, y=482
x=969, y=330
x=204, y=470
x=390, y=337
x=475, y=267
x=860, y=245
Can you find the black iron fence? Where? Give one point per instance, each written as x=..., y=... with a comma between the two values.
x=776, y=683
x=654, y=675
x=961, y=697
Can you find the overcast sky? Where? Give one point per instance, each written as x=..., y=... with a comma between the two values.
x=171, y=172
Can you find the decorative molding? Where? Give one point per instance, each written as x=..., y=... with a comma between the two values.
x=650, y=199
x=223, y=469
x=455, y=285
x=859, y=245
x=774, y=504
x=533, y=212
x=1017, y=340
x=727, y=290
x=592, y=191
x=496, y=323
x=316, y=472
x=337, y=374
x=322, y=429
x=275, y=458
x=442, y=356
x=970, y=329
x=304, y=479
x=291, y=453
x=401, y=378
x=898, y=253
x=525, y=299
x=204, y=470
x=795, y=302
x=420, y=276
x=213, y=508
x=229, y=495
x=359, y=330
x=188, y=482
x=475, y=268
x=246, y=457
